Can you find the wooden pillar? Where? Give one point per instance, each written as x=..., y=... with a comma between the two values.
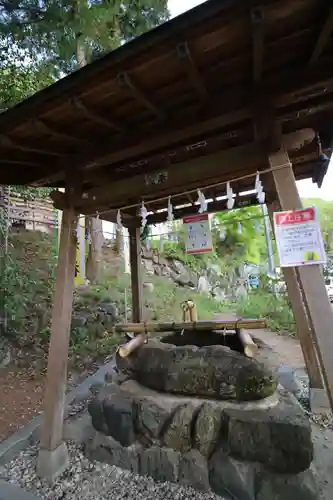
x=319, y=309
x=53, y=456
x=303, y=327
x=136, y=273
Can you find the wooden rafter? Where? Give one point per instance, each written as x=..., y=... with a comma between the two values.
x=323, y=38
x=258, y=28
x=92, y=115
x=19, y=162
x=127, y=83
x=54, y=131
x=186, y=59
x=10, y=143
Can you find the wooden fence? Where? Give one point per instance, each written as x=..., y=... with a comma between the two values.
x=34, y=215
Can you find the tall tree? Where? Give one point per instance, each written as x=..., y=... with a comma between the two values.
x=67, y=35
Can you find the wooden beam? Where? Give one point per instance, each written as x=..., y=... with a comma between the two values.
x=136, y=274
x=258, y=31
x=51, y=439
x=303, y=327
x=267, y=128
x=126, y=83
x=94, y=116
x=185, y=57
x=323, y=38
x=20, y=162
x=241, y=160
x=181, y=177
x=10, y=143
x=319, y=309
x=53, y=130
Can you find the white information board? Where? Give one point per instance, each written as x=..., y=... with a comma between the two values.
x=198, y=237
x=298, y=237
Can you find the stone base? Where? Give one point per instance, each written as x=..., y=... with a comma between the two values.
x=225, y=476
x=248, y=451
x=50, y=464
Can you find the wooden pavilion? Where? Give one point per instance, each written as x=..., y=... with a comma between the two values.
x=221, y=92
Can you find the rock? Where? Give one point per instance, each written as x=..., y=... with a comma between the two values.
x=204, y=286
x=115, y=377
x=155, y=258
x=5, y=358
x=151, y=419
x=149, y=287
x=177, y=266
x=162, y=464
x=178, y=435
x=207, y=428
x=279, y=438
x=146, y=253
x=286, y=487
x=193, y=471
x=119, y=412
x=227, y=475
x=96, y=387
x=96, y=410
x=113, y=413
x=212, y=371
x=218, y=294
x=106, y=449
x=149, y=266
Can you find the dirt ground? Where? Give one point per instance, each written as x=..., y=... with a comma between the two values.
x=21, y=399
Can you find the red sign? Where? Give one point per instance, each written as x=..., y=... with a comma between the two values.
x=298, y=238
x=295, y=217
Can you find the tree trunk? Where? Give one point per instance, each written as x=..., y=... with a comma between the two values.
x=93, y=225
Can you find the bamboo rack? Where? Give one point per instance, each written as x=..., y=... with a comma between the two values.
x=151, y=327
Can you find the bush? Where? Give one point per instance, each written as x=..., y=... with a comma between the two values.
x=274, y=308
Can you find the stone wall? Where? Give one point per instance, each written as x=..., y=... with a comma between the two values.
x=246, y=451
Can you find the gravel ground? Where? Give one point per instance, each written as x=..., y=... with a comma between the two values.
x=85, y=480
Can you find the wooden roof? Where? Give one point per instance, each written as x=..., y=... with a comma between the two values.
x=186, y=99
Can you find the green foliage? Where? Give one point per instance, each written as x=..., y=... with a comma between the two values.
x=30, y=193
x=325, y=211
x=67, y=33
x=20, y=78
x=244, y=235
x=275, y=309
x=28, y=284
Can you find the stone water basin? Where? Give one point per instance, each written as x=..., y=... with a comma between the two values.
x=205, y=416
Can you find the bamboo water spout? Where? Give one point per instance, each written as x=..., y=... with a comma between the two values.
x=152, y=327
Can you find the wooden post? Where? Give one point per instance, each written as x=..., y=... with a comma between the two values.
x=136, y=273
x=53, y=456
x=303, y=327
x=310, y=277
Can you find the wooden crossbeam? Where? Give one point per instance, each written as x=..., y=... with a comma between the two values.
x=10, y=143
x=94, y=116
x=185, y=57
x=127, y=83
x=54, y=131
x=323, y=38
x=258, y=28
